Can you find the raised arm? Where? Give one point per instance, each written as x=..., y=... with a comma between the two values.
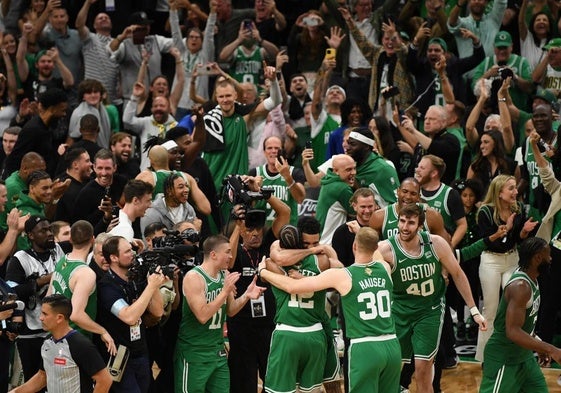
x=23, y=67
x=227, y=52
x=177, y=90
x=446, y=86
x=199, y=198
x=194, y=290
x=65, y=74
x=81, y=19
x=132, y=313
x=472, y=135
x=40, y=23
x=508, y=133
x=320, y=87
x=522, y=26
x=11, y=78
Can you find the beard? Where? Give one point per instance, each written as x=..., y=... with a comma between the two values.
x=544, y=268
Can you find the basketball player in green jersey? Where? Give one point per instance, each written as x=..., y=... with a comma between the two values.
x=418, y=260
x=200, y=356
x=509, y=354
x=385, y=220
x=304, y=253
x=366, y=293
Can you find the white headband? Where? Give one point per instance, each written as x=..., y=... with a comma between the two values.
x=169, y=145
x=361, y=138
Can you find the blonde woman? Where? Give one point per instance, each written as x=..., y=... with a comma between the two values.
x=499, y=209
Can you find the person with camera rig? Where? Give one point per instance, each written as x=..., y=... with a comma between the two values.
x=249, y=331
x=200, y=358
x=124, y=308
x=29, y=274
x=11, y=318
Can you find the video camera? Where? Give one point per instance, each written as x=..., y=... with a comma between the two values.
x=169, y=253
x=238, y=192
x=10, y=302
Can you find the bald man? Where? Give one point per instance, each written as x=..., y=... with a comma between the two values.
x=334, y=201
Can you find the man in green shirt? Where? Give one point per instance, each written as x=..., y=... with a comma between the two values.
x=503, y=59
x=372, y=170
x=17, y=181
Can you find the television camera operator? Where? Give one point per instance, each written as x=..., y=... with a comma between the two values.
x=249, y=331
x=175, y=251
x=11, y=317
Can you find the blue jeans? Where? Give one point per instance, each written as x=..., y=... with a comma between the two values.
x=136, y=378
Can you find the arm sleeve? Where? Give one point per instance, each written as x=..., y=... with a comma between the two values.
x=16, y=279
x=85, y=354
x=471, y=251
x=130, y=119
x=208, y=42
x=455, y=206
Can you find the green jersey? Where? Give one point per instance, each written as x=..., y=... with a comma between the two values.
x=367, y=306
x=198, y=342
x=534, y=180
x=281, y=191
x=499, y=347
x=391, y=218
x=378, y=175
x=417, y=279
x=160, y=177
x=303, y=309
x=62, y=275
x=234, y=158
x=321, y=141
x=14, y=185
x=439, y=202
x=247, y=67
x=464, y=149
x=334, y=204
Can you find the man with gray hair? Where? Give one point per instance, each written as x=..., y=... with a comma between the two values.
x=437, y=141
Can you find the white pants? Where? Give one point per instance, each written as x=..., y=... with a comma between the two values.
x=494, y=272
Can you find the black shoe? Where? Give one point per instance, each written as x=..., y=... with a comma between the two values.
x=471, y=333
x=461, y=333
x=450, y=363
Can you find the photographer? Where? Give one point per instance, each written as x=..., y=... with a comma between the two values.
x=7, y=334
x=123, y=304
x=249, y=331
x=28, y=274
x=504, y=64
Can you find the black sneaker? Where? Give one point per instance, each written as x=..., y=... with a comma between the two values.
x=461, y=333
x=471, y=333
x=451, y=363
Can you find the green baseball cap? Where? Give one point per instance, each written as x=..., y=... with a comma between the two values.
x=553, y=43
x=439, y=41
x=502, y=39
x=545, y=94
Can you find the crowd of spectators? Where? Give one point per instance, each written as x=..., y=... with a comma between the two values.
x=122, y=119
